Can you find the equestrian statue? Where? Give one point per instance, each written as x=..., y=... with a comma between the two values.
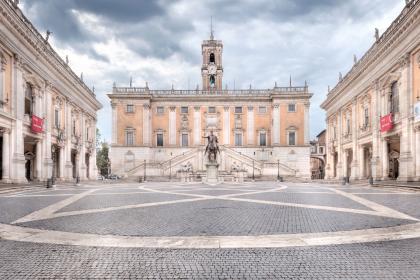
x=212, y=146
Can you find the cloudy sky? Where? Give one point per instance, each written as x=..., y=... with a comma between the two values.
x=160, y=41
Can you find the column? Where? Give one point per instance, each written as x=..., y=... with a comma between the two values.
x=418, y=153
x=48, y=163
x=406, y=163
x=197, y=126
x=6, y=156
x=276, y=124
x=385, y=159
x=18, y=161
x=2, y=74
x=82, y=153
x=250, y=126
x=146, y=124
x=307, y=124
x=340, y=152
x=361, y=160
x=38, y=160
x=226, y=125
x=375, y=115
x=67, y=151
x=172, y=125
x=114, y=123
x=328, y=147
x=355, y=161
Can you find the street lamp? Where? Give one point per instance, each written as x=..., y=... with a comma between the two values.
x=278, y=170
x=144, y=173
x=253, y=176
x=170, y=171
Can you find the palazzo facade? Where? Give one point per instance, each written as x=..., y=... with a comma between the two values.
x=47, y=113
x=373, y=113
x=262, y=131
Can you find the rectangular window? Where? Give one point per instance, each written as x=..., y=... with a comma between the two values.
x=184, y=110
x=74, y=128
x=263, y=139
x=238, y=139
x=262, y=109
x=28, y=100
x=129, y=108
x=292, y=138
x=238, y=110
x=212, y=110
x=129, y=138
x=87, y=133
x=159, y=140
x=321, y=150
x=160, y=110
x=184, y=140
x=291, y=108
x=348, y=126
x=366, y=117
x=57, y=118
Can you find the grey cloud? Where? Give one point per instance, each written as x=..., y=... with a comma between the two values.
x=311, y=40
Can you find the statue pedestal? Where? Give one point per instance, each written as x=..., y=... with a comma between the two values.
x=212, y=169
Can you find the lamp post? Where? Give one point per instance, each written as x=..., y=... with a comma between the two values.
x=170, y=171
x=144, y=174
x=278, y=170
x=253, y=175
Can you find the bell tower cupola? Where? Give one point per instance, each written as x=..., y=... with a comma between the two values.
x=212, y=69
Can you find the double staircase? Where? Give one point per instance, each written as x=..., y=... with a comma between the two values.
x=164, y=168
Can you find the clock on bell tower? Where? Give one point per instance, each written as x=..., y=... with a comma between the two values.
x=212, y=69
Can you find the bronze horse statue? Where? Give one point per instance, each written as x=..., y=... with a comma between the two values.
x=212, y=147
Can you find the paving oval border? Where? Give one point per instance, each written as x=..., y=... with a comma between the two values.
x=24, y=234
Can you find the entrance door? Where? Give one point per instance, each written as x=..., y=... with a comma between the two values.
x=335, y=164
x=394, y=165
x=349, y=161
x=73, y=164
x=28, y=169
x=87, y=165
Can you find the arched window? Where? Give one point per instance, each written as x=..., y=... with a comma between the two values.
x=212, y=81
x=212, y=60
x=395, y=103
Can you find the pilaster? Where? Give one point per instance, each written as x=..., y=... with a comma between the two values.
x=250, y=126
x=226, y=125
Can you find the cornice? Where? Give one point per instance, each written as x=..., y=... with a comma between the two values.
x=380, y=48
x=16, y=22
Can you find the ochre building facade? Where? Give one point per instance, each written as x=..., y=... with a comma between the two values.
x=373, y=114
x=47, y=113
x=264, y=132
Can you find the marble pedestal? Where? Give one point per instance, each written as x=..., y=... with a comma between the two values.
x=212, y=169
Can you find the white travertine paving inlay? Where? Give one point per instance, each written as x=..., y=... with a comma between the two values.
x=50, y=210
x=23, y=234
x=375, y=206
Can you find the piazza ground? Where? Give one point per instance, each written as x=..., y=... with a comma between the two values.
x=261, y=230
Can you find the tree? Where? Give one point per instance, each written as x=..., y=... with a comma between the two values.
x=102, y=158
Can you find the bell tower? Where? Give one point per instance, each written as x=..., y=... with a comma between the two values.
x=212, y=69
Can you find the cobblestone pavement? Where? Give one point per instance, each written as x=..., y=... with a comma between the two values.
x=195, y=231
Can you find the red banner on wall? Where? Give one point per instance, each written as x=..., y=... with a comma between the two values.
x=386, y=123
x=37, y=124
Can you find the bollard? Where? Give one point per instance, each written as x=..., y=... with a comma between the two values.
x=344, y=181
x=77, y=181
x=140, y=179
x=280, y=179
x=370, y=180
x=49, y=183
